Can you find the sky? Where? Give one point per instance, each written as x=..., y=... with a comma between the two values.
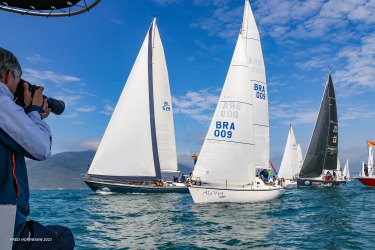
x=85, y=60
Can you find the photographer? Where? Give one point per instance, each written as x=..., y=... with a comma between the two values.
x=24, y=134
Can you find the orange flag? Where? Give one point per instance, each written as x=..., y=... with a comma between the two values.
x=371, y=143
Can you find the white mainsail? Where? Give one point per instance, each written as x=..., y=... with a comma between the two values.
x=290, y=165
x=140, y=140
x=237, y=141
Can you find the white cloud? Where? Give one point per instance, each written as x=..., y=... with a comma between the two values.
x=358, y=112
x=108, y=109
x=225, y=21
x=69, y=100
x=37, y=76
x=313, y=18
x=86, y=109
x=36, y=58
x=117, y=21
x=167, y=2
x=198, y=105
x=70, y=115
x=299, y=112
x=358, y=72
x=90, y=144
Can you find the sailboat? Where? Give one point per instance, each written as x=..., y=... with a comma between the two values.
x=367, y=177
x=339, y=169
x=346, y=171
x=320, y=164
x=291, y=162
x=139, y=142
x=237, y=144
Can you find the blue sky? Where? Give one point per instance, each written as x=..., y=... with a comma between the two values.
x=85, y=60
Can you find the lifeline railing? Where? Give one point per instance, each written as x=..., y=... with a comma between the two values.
x=51, y=8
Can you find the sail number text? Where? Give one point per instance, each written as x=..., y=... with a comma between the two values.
x=166, y=106
x=224, y=129
x=260, y=91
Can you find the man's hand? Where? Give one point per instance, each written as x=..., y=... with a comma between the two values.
x=46, y=109
x=38, y=97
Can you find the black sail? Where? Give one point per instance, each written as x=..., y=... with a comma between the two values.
x=322, y=151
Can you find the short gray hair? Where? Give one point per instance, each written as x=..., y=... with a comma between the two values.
x=9, y=62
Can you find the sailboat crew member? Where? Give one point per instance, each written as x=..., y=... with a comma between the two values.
x=365, y=169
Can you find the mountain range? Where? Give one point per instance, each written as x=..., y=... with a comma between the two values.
x=64, y=170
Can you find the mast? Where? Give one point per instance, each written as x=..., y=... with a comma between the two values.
x=155, y=152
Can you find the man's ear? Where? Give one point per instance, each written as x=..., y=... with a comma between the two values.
x=7, y=75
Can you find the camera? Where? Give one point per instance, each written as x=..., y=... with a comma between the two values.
x=56, y=106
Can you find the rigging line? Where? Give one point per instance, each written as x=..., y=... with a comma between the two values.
x=183, y=123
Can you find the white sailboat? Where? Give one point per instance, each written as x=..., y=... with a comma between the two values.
x=291, y=162
x=346, y=171
x=139, y=142
x=237, y=144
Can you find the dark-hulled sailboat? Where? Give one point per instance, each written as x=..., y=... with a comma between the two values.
x=320, y=164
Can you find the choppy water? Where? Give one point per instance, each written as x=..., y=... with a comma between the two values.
x=324, y=218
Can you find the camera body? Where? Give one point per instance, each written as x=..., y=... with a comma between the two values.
x=57, y=106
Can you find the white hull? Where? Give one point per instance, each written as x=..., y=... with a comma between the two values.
x=207, y=194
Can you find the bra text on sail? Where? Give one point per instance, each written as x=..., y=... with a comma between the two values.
x=224, y=129
x=260, y=91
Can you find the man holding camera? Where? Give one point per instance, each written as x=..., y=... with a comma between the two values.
x=23, y=133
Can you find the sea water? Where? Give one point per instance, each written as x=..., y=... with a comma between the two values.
x=319, y=218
